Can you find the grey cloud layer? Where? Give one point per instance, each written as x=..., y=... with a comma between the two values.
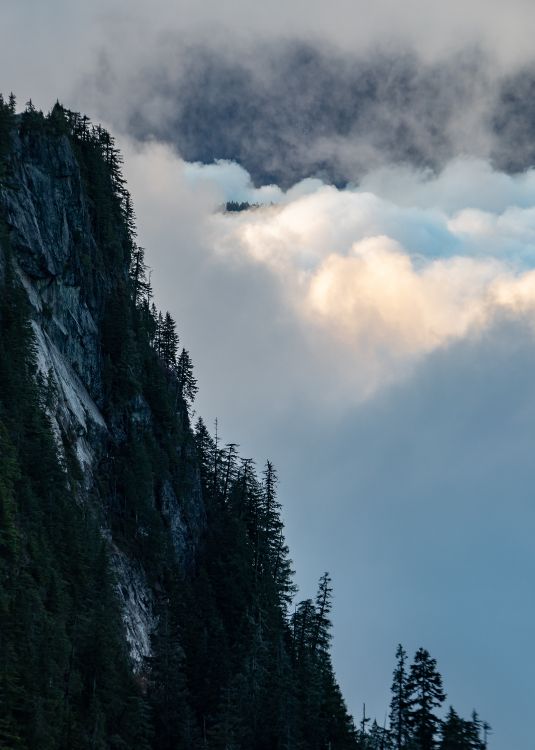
x=288, y=91
x=290, y=109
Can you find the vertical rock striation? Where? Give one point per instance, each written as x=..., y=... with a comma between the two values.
x=48, y=217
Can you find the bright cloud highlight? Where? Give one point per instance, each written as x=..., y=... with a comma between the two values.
x=391, y=281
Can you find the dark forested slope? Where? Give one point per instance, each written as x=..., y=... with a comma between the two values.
x=146, y=596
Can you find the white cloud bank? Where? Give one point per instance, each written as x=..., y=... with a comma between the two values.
x=390, y=271
x=380, y=275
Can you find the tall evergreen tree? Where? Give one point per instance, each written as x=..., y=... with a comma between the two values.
x=169, y=341
x=424, y=688
x=277, y=561
x=400, y=702
x=322, y=628
x=140, y=284
x=187, y=385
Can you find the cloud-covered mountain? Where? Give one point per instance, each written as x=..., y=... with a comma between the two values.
x=286, y=110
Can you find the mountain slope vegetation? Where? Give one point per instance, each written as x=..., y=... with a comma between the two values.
x=146, y=591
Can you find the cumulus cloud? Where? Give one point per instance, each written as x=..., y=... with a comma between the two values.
x=378, y=276
x=391, y=281
x=462, y=183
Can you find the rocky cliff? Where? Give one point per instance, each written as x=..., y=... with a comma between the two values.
x=145, y=584
x=58, y=250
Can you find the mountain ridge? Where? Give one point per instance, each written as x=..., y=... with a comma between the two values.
x=145, y=582
x=185, y=524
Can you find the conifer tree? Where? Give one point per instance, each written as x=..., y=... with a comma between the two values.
x=169, y=342
x=9, y=473
x=278, y=562
x=129, y=216
x=399, y=704
x=424, y=688
x=453, y=732
x=158, y=334
x=167, y=688
x=474, y=729
x=138, y=275
x=303, y=628
x=187, y=384
x=461, y=734
x=322, y=627
x=379, y=738
x=205, y=451
x=152, y=324
x=6, y=122
x=230, y=469
x=228, y=730
x=32, y=119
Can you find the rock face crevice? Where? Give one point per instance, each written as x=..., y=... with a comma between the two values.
x=47, y=215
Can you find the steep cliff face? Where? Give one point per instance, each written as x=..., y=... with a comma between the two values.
x=50, y=233
x=59, y=257
x=188, y=642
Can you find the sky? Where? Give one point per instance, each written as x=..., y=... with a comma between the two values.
x=370, y=324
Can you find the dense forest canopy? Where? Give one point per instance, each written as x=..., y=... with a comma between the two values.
x=236, y=663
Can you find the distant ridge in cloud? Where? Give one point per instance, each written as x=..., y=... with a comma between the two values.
x=287, y=109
